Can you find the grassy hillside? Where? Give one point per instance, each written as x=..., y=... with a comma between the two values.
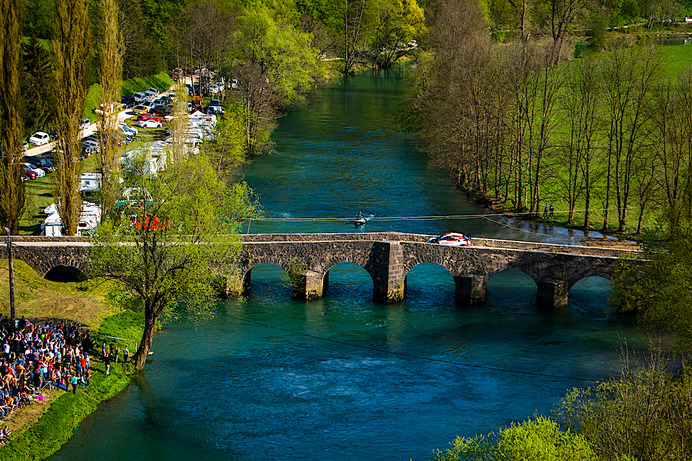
x=161, y=82
x=37, y=298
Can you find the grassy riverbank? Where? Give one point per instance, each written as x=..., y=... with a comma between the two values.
x=41, y=428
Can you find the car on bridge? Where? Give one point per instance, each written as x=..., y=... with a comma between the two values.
x=451, y=239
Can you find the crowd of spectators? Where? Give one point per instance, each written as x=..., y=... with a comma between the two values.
x=34, y=357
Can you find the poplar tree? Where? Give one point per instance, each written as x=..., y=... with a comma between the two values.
x=11, y=129
x=71, y=41
x=111, y=81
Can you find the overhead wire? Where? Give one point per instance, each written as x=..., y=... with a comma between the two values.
x=485, y=216
x=400, y=218
x=416, y=356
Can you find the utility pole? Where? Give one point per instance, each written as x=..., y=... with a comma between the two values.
x=9, y=255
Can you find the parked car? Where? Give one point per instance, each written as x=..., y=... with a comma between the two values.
x=451, y=239
x=149, y=124
x=39, y=138
x=127, y=101
x=139, y=97
x=129, y=130
x=214, y=109
x=140, y=109
x=47, y=164
x=39, y=172
x=149, y=105
x=160, y=110
x=94, y=144
x=150, y=117
x=29, y=172
x=151, y=92
x=39, y=162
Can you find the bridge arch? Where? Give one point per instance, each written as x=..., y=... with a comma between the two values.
x=348, y=277
x=590, y=273
x=430, y=280
x=512, y=285
x=274, y=272
x=64, y=273
x=591, y=293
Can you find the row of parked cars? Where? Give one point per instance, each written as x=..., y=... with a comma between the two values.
x=35, y=167
x=92, y=144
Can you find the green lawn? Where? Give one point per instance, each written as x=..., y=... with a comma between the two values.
x=678, y=58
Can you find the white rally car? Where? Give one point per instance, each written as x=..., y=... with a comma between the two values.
x=452, y=239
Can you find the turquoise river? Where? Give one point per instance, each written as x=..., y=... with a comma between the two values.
x=342, y=378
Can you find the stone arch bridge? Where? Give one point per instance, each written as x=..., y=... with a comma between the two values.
x=387, y=257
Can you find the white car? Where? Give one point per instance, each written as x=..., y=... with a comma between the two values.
x=39, y=138
x=148, y=124
x=452, y=239
x=150, y=92
x=139, y=97
x=39, y=172
x=129, y=130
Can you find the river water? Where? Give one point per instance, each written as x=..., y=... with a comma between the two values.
x=342, y=378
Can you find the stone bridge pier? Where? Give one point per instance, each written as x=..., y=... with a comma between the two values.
x=550, y=294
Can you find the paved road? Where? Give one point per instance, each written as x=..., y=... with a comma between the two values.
x=88, y=131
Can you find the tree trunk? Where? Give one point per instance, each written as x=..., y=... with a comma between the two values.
x=140, y=357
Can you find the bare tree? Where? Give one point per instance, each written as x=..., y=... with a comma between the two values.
x=581, y=105
x=673, y=134
x=353, y=13
x=11, y=129
x=630, y=78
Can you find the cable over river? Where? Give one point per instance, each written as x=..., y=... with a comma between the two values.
x=342, y=378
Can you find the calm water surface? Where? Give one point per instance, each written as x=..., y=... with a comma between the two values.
x=342, y=378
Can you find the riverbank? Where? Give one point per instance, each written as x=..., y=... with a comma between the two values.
x=592, y=237
x=40, y=429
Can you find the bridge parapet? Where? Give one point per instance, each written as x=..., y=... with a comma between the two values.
x=386, y=256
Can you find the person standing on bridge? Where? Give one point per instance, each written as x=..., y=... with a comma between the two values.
x=545, y=211
x=552, y=210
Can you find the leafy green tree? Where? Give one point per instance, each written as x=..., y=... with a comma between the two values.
x=171, y=250
x=227, y=150
x=660, y=289
x=536, y=440
x=35, y=84
x=644, y=414
x=274, y=64
x=111, y=74
x=71, y=48
x=395, y=24
x=284, y=54
x=11, y=130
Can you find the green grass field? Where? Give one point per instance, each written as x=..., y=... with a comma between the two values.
x=678, y=58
